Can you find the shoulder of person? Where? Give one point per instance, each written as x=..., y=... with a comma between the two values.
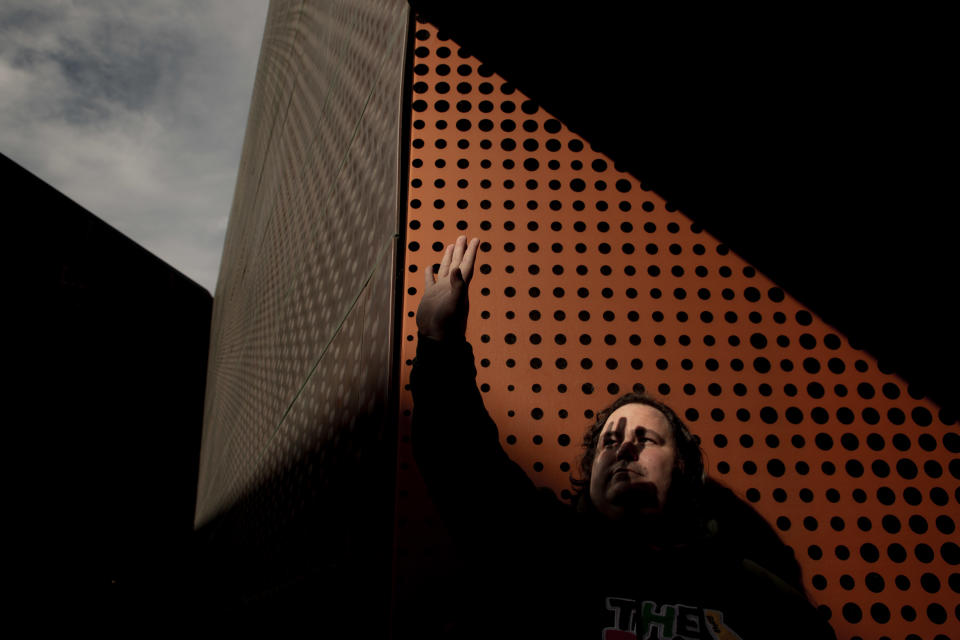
x=782, y=601
x=767, y=580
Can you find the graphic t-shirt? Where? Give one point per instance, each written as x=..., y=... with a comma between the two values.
x=632, y=620
x=707, y=600
x=539, y=568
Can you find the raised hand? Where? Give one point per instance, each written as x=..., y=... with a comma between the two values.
x=443, y=309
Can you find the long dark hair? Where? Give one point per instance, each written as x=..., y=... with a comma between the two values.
x=689, y=474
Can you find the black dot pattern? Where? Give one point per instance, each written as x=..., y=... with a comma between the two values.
x=590, y=285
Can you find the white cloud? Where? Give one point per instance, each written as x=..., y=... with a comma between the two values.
x=135, y=110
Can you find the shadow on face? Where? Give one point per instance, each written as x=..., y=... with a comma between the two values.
x=634, y=462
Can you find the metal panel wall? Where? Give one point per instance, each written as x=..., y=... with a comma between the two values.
x=300, y=354
x=590, y=285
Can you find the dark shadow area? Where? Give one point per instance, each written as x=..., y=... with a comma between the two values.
x=308, y=550
x=467, y=580
x=109, y=366
x=810, y=141
x=110, y=357
x=744, y=533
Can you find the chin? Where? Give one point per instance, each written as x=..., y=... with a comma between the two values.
x=635, y=494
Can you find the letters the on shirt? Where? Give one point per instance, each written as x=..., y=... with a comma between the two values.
x=650, y=621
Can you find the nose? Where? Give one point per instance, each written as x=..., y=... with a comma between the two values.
x=629, y=450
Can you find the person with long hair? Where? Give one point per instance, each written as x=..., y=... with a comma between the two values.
x=650, y=546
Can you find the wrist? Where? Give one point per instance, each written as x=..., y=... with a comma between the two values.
x=431, y=330
x=445, y=337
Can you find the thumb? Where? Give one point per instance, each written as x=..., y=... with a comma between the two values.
x=428, y=278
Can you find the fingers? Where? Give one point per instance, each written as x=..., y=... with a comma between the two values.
x=469, y=256
x=460, y=255
x=428, y=278
x=445, y=263
x=458, y=251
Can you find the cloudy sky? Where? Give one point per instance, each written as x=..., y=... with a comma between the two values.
x=135, y=109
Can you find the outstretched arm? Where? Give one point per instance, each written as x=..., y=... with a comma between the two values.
x=456, y=444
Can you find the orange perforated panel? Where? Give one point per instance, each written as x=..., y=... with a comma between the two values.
x=589, y=285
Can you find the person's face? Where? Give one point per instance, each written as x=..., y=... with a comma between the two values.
x=634, y=461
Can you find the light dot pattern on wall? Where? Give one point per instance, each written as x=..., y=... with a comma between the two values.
x=299, y=339
x=588, y=285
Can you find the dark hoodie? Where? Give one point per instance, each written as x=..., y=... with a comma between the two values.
x=537, y=567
